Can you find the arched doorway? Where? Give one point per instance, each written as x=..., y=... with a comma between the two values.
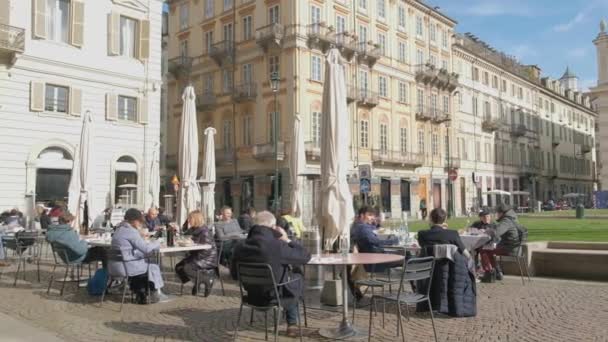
x=53, y=172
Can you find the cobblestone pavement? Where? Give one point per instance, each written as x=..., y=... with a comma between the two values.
x=545, y=310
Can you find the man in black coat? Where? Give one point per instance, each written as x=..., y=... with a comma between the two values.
x=269, y=244
x=439, y=234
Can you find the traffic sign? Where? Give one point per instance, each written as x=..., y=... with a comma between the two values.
x=365, y=186
x=453, y=174
x=365, y=171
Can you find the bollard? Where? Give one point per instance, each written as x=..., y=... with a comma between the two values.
x=580, y=211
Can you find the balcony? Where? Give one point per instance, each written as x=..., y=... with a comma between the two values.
x=490, y=125
x=440, y=117
x=553, y=173
x=433, y=114
x=346, y=45
x=313, y=150
x=180, y=66
x=441, y=79
x=245, y=92
x=264, y=152
x=270, y=36
x=224, y=156
x=364, y=97
x=530, y=170
x=206, y=101
x=321, y=37
x=518, y=130
x=398, y=158
x=368, y=53
x=586, y=148
x=555, y=141
x=222, y=52
x=12, y=42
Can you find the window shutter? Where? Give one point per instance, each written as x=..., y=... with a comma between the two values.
x=144, y=40
x=75, y=101
x=39, y=19
x=111, y=107
x=77, y=29
x=142, y=110
x=36, y=96
x=113, y=34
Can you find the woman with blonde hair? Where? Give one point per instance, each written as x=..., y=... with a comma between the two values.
x=203, y=261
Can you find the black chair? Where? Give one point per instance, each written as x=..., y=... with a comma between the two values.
x=257, y=274
x=21, y=243
x=61, y=258
x=415, y=269
x=520, y=259
x=117, y=256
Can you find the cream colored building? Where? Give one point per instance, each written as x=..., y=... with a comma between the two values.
x=60, y=59
x=404, y=96
x=600, y=95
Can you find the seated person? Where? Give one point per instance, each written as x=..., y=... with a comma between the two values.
x=202, y=260
x=267, y=243
x=439, y=234
x=246, y=219
x=296, y=224
x=507, y=234
x=485, y=220
x=127, y=239
x=77, y=250
x=152, y=220
x=162, y=217
x=227, y=231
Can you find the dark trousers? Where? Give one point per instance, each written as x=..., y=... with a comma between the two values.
x=488, y=257
x=96, y=254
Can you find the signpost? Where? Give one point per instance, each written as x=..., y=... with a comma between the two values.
x=365, y=186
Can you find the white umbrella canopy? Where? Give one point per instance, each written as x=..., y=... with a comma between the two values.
x=498, y=192
x=573, y=195
x=154, y=189
x=208, y=176
x=336, y=210
x=297, y=163
x=80, y=187
x=189, y=195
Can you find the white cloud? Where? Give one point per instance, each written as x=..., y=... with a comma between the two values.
x=490, y=8
x=565, y=27
x=578, y=52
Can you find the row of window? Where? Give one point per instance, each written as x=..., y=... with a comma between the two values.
x=63, y=21
x=227, y=136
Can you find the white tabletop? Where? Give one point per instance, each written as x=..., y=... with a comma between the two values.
x=107, y=243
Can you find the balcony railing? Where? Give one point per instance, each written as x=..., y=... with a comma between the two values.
x=346, y=44
x=245, y=92
x=364, y=97
x=368, y=53
x=490, y=124
x=530, y=169
x=222, y=52
x=266, y=151
x=270, y=36
x=555, y=141
x=586, y=148
x=518, y=130
x=12, y=39
x=206, y=101
x=180, y=66
x=224, y=156
x=401, y=158
x=313, y=150
x=441, y=79
x=434, y=114
x=320, y=36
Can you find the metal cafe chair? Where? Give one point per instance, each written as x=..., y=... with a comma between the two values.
x=520, y=259
x=117, y=256
x=21, y=243
x=61, y=258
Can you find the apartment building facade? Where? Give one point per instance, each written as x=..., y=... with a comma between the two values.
x=600, y=95
x=60, y=59
x=519, y=132
x=398, y=107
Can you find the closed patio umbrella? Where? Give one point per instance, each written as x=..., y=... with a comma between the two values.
x=208, y=175
x=189, y=196
x=297, y=163
x=154, y=188
x=80, y=186
x=336, y=208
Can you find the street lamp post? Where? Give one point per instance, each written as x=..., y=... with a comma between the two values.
x=275, y=81
x=450, y=185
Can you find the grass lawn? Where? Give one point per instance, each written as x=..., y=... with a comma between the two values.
x=547, y=229
x=571, y=213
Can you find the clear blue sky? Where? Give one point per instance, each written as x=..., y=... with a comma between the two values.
x=549, y=33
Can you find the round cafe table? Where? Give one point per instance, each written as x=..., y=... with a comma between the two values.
x=345, y=329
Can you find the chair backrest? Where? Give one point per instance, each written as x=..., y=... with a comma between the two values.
x=257, y=274
x=117, y=256
x=415, y=269
x=60, y=252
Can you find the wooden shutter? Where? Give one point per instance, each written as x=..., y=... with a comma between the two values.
x=144, y=40
x=142, y=110
x=75, y=102
x=39, y=19
x=113, y=34
x=111, y=107
x=77, y=24
x=36, y=96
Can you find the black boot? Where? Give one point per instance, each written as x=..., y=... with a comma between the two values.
x=489, y=277
x=499, y=275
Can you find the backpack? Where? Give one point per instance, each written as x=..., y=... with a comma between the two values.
x=98, y=282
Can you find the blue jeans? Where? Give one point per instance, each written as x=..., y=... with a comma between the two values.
x=291, y=313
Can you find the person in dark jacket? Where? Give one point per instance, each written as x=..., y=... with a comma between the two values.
x=203, y=260
x=439, y=234
x=269, y=244
x=77, y=250
x=485, y=220
x=246, y=219
x=45, y=220
x=151, y=220
x=363, y=236
x=507, y=234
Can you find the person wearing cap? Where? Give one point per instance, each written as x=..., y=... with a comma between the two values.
x=485, y=220
x=135, y=249
x=506, y=233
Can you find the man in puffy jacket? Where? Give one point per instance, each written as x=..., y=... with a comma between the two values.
x=508, y=237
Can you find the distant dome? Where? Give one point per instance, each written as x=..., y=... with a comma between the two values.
x=568, y=74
